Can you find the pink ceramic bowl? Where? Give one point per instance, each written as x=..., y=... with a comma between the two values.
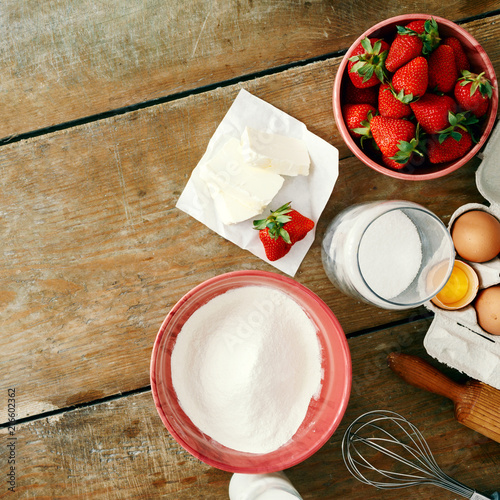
x=479, y=62
x=324, y=414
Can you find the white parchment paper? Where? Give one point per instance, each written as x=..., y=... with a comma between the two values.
x=308, y=194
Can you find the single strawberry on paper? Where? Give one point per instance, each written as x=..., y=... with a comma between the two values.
x=281, y=230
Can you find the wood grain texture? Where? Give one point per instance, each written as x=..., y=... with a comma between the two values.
x=460, y=452
x=477, y=405
x=119, y=449
x=95, y=252
x=75, y=58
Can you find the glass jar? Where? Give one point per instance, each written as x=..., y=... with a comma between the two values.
x=391, y=254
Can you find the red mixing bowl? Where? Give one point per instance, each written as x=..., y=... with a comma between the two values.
x=324, y=414
x=479, y=61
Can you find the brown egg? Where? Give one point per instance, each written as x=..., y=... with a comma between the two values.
x=487, y=306
x=476, y=236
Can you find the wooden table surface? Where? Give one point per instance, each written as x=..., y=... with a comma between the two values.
x=106, y=108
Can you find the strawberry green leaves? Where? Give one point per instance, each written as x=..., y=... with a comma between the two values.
x=459, y=122
x=281, y=230
x=430, y=37
x=408, y=148
x=366, y=67
x=427, y=95
x=473, y=92
x=275, y=223
x=477, y=82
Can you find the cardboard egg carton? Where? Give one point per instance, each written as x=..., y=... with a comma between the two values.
x=455, y=337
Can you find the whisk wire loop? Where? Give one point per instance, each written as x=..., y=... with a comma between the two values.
x=391, y=435
x=390, y=454
x=427, y=464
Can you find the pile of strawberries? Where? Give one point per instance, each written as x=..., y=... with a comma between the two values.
x=415, y=101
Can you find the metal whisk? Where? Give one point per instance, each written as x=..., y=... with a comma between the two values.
x=381, y=435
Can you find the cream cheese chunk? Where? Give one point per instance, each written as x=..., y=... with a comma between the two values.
x=275, y=153
x=231, y=210
x=239, y=190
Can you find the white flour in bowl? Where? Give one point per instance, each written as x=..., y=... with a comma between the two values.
x=245, y=367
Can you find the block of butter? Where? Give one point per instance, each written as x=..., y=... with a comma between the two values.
x=239, y=190
x=275, y=153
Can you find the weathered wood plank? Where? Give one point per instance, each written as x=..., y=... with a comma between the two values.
x=95, y=252
x=462, y=453
x=119, y=449
x=80, y=58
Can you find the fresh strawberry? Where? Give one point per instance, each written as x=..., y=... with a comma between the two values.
x=366, y=65
x=389, y=162
x=388, y=133
x=392, y=105
x=412, y=78
x=461, y=58
x=398, y=140
x=442, y=69
x=450, y=149
x=429, y=33
x=281, y=230
x=406, y=46
x=453, y=142
x=298, y=227
x=275, y=248
x=416, y=38
x=432, y=112
x=355, y=95
x=358, y=116
x=417, y=27
x=473, y=93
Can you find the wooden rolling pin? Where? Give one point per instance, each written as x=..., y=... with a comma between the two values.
x=477, y=405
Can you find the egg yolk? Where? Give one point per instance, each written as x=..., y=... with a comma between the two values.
x=456, y=287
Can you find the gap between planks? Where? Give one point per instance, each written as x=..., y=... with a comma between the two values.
x=170, y=98
x=199, y=90
x=419, y=316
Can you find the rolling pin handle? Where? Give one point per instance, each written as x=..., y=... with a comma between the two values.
x=421, y=374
